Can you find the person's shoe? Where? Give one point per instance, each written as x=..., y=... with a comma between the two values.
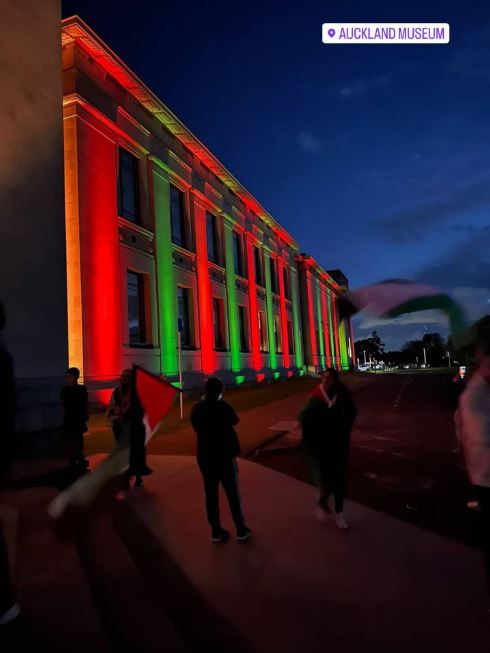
x=340, y=521
x=473, y=505
x=138, y=484
x=243, y=534
x=220, y=536
x=10, y=615
x=320, y=513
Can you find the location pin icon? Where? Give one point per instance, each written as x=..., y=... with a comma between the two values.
x=331, y=32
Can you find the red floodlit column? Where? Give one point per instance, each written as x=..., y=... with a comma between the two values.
x=311, y=317
x=203, y=289
x=326, y=327
x=284, y=318
x=252, y=302
x=100, y=274
x=336, y=331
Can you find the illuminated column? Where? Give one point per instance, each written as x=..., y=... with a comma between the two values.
x=270, y=312
x=99, y=254
x=298, y=345
x=203, y=288
x=166, y=287
x=331, y=323
x=310, y=325
x=234, y=330
x=336, y=330
x=344, y=359
x=252, y=303
x=284, y=319
x=326, y=328
x=319, y=315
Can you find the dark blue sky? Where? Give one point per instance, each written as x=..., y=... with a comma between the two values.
x=376, y=158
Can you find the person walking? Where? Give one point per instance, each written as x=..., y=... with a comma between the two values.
x=213, y=421
x=326, y=423
x=473, y=420
x=9, y=609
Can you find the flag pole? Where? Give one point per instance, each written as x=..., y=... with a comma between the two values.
x=181, y=393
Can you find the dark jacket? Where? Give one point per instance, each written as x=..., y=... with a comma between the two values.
x=75, y=404
x=325, y=428
x=7, y=408
x=213, y=421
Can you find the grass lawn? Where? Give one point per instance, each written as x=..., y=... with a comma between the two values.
x=100, y=438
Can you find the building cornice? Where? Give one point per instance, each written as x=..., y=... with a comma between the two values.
x=74, y=30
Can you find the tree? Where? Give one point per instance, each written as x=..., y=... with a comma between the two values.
x=372, y=346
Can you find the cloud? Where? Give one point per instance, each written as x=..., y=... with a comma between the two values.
x=421, y=317
x=360, y=87
x=308, y=142
x=409, y=226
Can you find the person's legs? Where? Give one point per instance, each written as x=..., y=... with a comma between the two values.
x=229, y=480
x=211, y=490
x=483, y=496
x=325, y=481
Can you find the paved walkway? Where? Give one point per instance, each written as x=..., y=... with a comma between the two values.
x=145, y=576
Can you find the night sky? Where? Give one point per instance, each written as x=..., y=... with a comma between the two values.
x=376, y=158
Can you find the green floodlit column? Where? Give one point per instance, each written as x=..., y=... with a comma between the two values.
x=344, y=357
x=298, y=345
x=270, y=312
x=331, y=328
x=166, y=290
x=319, y=318
x=232, y=300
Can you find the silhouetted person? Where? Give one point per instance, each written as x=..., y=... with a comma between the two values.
x=473, y=419
x=326, y=422
x=9, y=610
x=119, y=404
x=217, y=447
x=74, y=399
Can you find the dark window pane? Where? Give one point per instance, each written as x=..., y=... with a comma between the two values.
x=136, y=309
x=287, y=287
x=290, y=338
x=177, y=216
x=242, y=316
x=128, y=186
x=258, y=267
x=237, y=253
x=218, y=323
x=211, y=236
x=183, y=315
x=262, y=331
x=273, y=269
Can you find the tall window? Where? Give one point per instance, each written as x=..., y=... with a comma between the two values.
x=237, y=254
x=277, y=334
x=273, y=269
x=177, y=216
x=136, y=309
x=212, y=238
x=287, y=282
x=262, y=331
x=259, y=272
x=128, y=186
x=183, y=312
x=243, y=322
x=290, y=337
x=218, y=323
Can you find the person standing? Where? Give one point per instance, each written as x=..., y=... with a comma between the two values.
x=119, y=404
x=473, y=421
x=213, y=421
x=9, y=609
x=326, y=423
x=74, y=399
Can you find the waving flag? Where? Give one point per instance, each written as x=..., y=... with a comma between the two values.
x=390, y=299
x=156, y=397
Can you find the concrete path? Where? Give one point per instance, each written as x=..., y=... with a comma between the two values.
x=301, y=585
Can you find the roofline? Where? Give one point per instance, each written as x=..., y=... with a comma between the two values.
x=75, y=29
x=309, y=261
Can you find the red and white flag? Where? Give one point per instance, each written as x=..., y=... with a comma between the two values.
x=156, y=397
